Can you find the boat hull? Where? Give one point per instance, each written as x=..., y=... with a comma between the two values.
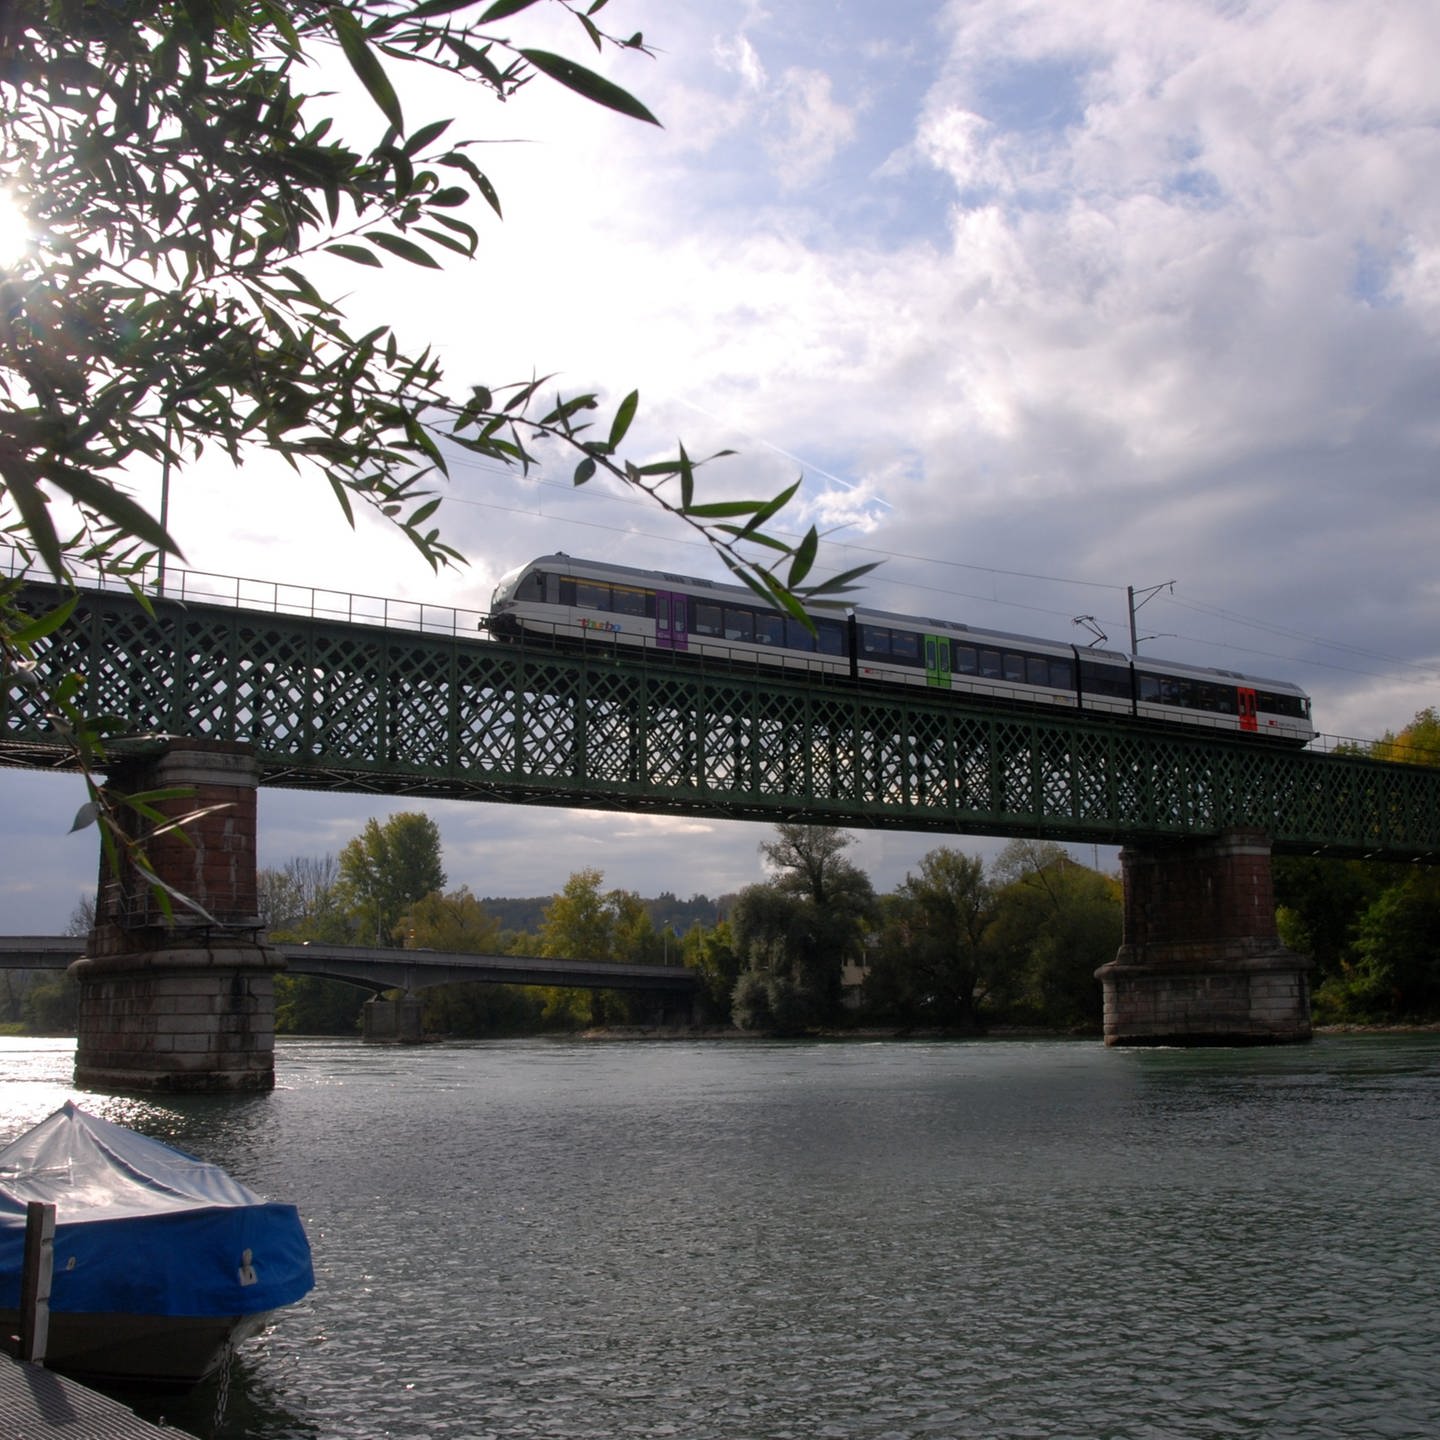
x=160, y=1351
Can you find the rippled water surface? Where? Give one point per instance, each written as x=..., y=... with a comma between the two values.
x=753, y=1241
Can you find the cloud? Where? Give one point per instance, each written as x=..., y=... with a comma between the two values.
x=1047, y=299
x=815, y=128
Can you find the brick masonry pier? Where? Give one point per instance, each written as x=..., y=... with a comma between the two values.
x=184, y=1001
x=1201, y=962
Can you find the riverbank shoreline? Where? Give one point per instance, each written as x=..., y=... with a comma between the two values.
x=870, y=1034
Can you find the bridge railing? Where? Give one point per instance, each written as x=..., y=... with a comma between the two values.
x=273, y=596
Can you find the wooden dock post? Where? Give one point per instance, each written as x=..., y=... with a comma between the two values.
x=39, y=1266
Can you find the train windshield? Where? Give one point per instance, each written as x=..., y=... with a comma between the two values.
x=505, y=586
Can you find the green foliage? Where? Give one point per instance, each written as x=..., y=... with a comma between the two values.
x=930, y=962
x=794, y=935
x=750, y=1003
x=1371, y=929
x=177, y=177
x=456, y=922
x=1417, y=744
x=711, y=954
x=1394, y=972
x=180, y=179
x=809, y=863
x=1055, y=923
x=315, y=1005
x=52, y=1005
x=387, y=869
x=634, y=938
x=581, y=923
x=1319, y=904
x=13, y=985
x=300, y=901
x=961, y=950
x=787, y=985
x=480, y=1011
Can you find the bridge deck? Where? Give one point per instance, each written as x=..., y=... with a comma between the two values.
x=378, y=968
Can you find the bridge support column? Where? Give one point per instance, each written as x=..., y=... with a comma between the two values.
x=1201, y=962
x=392, y=1022
x=182, y=1002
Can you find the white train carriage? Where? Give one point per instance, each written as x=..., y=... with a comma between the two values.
x=571, y=601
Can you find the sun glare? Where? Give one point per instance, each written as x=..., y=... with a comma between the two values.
x=15, y=234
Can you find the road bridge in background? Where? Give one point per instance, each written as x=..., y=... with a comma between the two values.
x=376, y=968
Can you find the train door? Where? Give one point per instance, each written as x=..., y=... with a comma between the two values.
x=672, y=627
x=1249, y=721
x=937, y=661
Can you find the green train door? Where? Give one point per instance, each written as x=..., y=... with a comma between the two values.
x=937, y=661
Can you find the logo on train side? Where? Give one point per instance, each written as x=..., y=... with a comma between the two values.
x=606, y=625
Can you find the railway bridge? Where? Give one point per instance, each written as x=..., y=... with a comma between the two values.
x=222, y=687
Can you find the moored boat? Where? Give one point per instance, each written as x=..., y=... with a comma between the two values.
x=162, y=1262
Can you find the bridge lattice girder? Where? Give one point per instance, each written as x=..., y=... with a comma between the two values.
x=365, y=709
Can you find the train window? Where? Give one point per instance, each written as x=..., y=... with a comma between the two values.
x=1294, y=706
x=830, y=637
x=590, y=596
x=1149, y=687
x=1014, y=666
x=797, y=637
x=965, y=660
x=1037, y=671
x=739, y=624
x=990, y=664
x=706, y=619
x=1062, y=675
x=625, y=601
x=770, y=629
x=905, y=646
x=874, y=640
x=1100, y=679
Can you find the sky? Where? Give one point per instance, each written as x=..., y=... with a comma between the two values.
x=1041, y=301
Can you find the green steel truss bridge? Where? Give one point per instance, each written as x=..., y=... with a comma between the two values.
x=380, y=697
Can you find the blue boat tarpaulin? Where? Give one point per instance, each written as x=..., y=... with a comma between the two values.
x=143, y=1228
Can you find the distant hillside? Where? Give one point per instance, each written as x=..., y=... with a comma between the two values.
x=528, y=914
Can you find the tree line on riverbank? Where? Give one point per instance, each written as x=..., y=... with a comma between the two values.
x=1372, y=929
x=956, y=947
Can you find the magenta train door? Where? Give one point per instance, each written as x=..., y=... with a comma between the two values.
x=671, y=630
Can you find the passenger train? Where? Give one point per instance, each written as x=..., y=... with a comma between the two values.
x=567, y=600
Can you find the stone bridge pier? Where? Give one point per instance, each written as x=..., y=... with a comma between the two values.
x=183, y=1001
x=1200, y=961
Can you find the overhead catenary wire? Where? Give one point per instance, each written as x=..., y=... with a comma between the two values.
x=1418, y=670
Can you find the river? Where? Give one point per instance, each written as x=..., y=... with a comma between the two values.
x=1001, y=1239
